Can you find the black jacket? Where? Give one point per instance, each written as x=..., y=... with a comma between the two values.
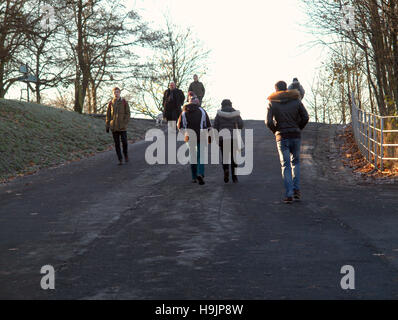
x=194, y=118
x=286, y=116
x=172, y=102
x=228, y=118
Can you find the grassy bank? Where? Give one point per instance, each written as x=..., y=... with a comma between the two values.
x=34, y=136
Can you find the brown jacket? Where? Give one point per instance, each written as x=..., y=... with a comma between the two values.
x=198, y=88
x=118, y=115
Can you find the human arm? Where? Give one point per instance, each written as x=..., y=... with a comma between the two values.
x=270, y=119
x=304, y=118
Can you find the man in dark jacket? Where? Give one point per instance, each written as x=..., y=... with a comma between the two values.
x=198, y=88
x=173, y=99
x=228, y=118
x=286, y=118
x=196, y=119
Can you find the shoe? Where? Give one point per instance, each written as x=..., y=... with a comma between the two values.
x=297, y=195
x=126, y=159
x=201, y=181
x=235, y=179
x=120, y=163
x=288, y=200
x=226, y=176
x=194, y=181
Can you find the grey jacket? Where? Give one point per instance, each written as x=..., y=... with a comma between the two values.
x=228, y=118
x=286, y=115
x=296, y=85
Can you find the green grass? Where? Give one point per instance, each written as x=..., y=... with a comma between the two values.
x=34, y=136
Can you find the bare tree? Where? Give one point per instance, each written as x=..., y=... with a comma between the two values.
x=373, y=36
x=178, y=58
x=14, y=30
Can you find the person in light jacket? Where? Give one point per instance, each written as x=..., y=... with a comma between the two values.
x=228, y=118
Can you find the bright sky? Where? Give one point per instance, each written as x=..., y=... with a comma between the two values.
x=253, y=44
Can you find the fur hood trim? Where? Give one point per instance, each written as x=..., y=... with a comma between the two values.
x=284, y=96
x=228, y=115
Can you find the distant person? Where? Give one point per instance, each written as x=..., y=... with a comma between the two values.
x=117, y=120
x=296, y=85
x=195, y=118
x=173, y=99
x=198, y=88
x=286, y=118
x=228, y=118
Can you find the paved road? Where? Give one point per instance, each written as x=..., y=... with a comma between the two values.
x=146, y=232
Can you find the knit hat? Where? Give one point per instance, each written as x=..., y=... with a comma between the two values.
x=226, y=102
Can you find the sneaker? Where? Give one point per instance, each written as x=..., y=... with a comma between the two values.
x=194, y=181
x=120, y=163
x=297, y=195
x=288, y=200
x=126, y=159
x=201, y=181
x=226, y=176
x=235, y=179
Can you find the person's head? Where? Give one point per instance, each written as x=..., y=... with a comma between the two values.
x=116, y=92
x=226, y=102
x=195, y=77
x=172, y=85
x=281, y=86
x=192, y=98
x=295, y=80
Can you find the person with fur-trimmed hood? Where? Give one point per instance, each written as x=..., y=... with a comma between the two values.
x=286, y=118
x=228, y=118
x=297, y=85
x=195, y=118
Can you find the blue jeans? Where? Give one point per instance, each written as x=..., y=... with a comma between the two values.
x=289, y=155
x=199, y=168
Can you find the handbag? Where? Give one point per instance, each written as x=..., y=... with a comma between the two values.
x=239, y=141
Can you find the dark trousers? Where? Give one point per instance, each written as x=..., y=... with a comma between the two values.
x=117, y=135
x=230, y=151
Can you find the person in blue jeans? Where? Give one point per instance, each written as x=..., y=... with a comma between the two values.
x=286, y=118
x=196, y=119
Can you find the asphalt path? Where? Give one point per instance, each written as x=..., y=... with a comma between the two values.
x=147, y=232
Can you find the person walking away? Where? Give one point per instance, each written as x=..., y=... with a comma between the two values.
x=228, y=118
x=297, y=85
x=195, y=118
x=198, y=88
x=117, y=120
x=173, y=99
x=286, y=118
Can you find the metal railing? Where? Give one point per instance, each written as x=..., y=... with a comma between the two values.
x=370, y=135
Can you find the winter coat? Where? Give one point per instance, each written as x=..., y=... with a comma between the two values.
x=193, y=114
x=172, y=102
x=287, y=115
x=228, y=118
x=296, y=85
x=118, y=115
x=198, y=88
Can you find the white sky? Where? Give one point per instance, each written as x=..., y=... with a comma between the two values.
x=253, y=43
